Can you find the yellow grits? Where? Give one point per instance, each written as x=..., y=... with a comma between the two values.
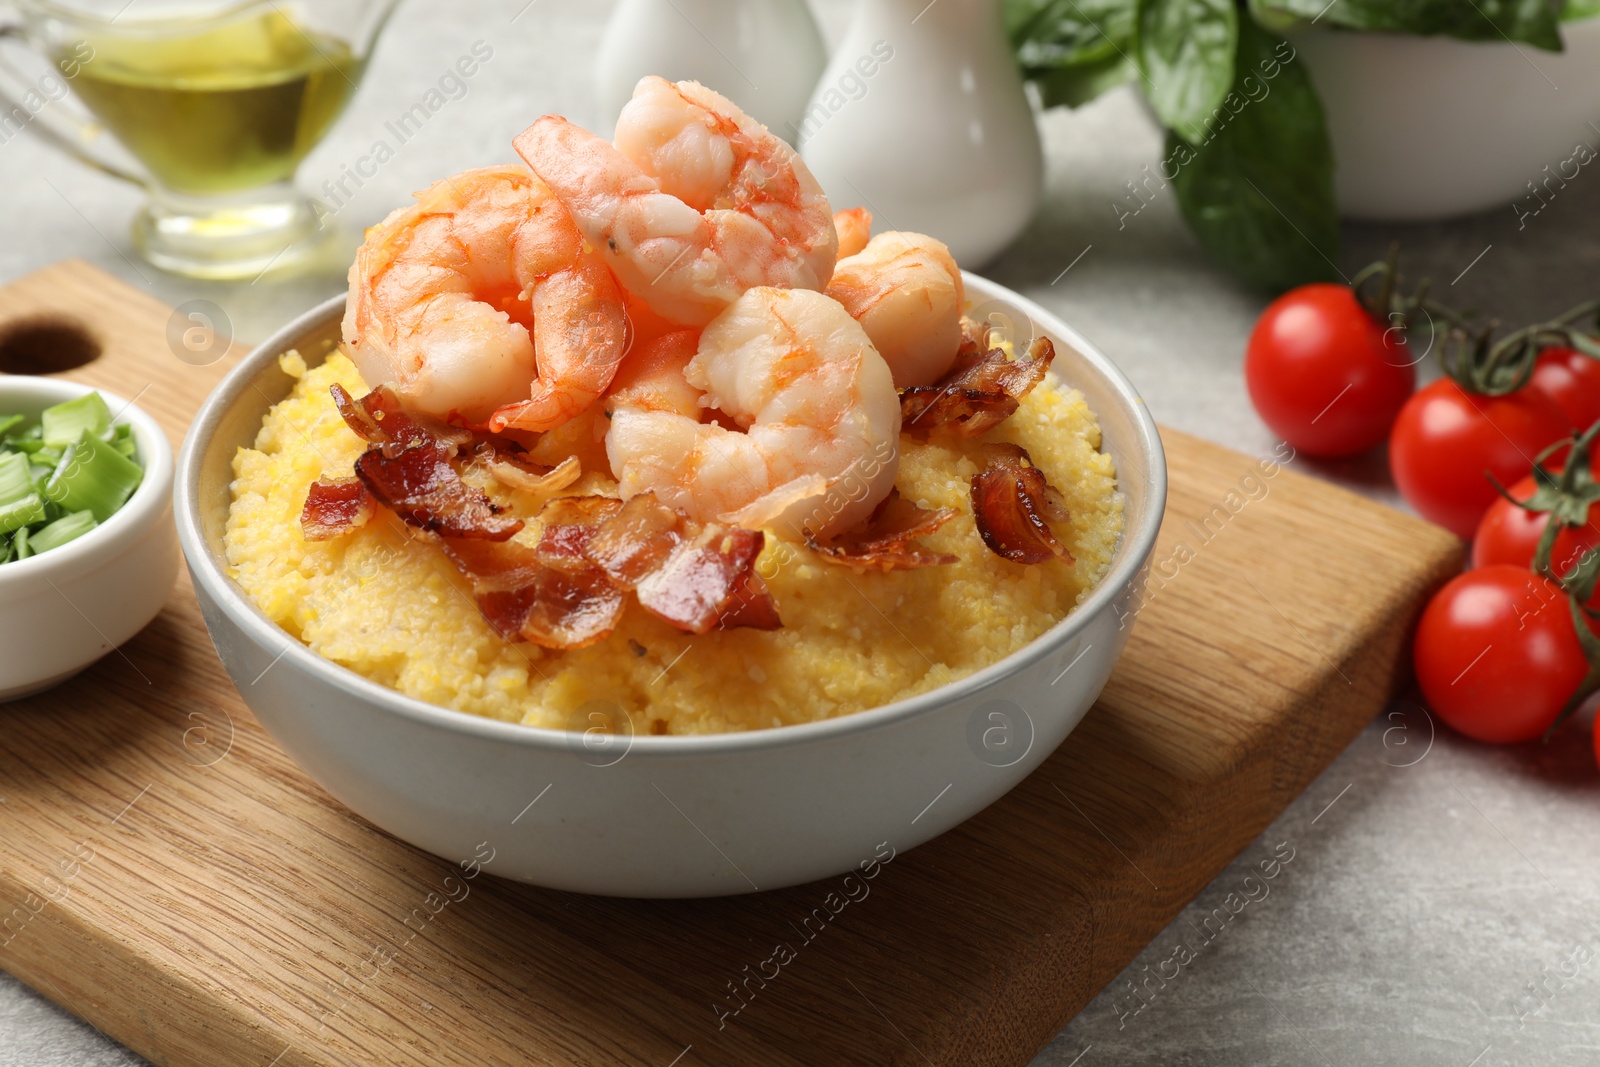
x=391, y=607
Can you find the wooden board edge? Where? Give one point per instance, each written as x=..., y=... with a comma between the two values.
x=1265, y=772
x=176, y=1019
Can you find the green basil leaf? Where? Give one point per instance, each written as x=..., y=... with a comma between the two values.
x=1072, y=50
x=1274, y=17
x=1185, y=50
x=1048, y=34
x=1258, y=189
x=1533, y=21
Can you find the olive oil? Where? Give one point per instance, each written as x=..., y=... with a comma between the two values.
x=219, y=109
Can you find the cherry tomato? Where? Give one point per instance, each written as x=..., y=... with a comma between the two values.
x=1572, y=380
x=1445, y=439
x=1496, y=654
x=1509, y=534
x=1324, y=374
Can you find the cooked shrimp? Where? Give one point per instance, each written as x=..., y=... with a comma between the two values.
x=854, y=227
x=651, y=378
x=816, y=420
x=905, y=289
x=443, y=295
x=695, y=203
x=644, y=325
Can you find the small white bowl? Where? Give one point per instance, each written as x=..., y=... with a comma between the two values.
x=668, y=816
x=63, y=609
x=1432, y=127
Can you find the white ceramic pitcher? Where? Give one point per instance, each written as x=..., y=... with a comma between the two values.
x=921, y=118
x=764, y=55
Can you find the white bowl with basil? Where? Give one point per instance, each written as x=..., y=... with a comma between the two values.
x=88, y=552
x=1282, y=116
x=1435, y=127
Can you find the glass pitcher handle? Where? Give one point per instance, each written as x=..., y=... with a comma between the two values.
x=36, y=105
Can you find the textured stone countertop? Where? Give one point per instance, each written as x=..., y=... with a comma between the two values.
x=1432, y=885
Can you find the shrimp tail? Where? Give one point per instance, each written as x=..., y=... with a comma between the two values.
x=579, y=341
x=854, y=226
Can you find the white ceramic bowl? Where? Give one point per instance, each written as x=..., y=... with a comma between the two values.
x=667, y=816
x=1432, y=127
x=63, y=609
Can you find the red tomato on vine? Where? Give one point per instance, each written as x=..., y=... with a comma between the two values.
x=1497, y=655
x=1510, y=534
x=1572, y=380
x=1446, y=440
x=1325, y=374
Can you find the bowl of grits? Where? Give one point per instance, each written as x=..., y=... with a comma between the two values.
x=892, y=706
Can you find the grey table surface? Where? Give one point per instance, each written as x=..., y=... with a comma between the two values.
x=1439, y=908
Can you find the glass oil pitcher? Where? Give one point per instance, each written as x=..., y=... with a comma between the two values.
x=213, y=104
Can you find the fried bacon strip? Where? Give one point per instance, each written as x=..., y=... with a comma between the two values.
x=696, y=577
x=750, y=605
x=550, y=594
x=974, y=339
x=640, y=541
x=570, y=523
x=363, y=416
x=1014, y=505
x=709, y=581
x=981, y=390
x=525, y=600
x=333, y=508
x=569, y=590
x=886, y=541
x=408, y=470
x=420, y=485
x=378, y=419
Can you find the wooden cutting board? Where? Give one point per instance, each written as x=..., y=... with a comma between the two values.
x=168, y=874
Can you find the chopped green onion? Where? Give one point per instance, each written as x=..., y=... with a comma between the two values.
x=64, y=423
x=16, y=477
x=122, y=437
x=62, y=474
x=93, y=476
x=58, y=533
x=24, y=438
x=20, y=513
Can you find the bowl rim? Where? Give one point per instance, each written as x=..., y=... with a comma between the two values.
x=1591, y=21
x=1147, y=456
x=147, y=500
